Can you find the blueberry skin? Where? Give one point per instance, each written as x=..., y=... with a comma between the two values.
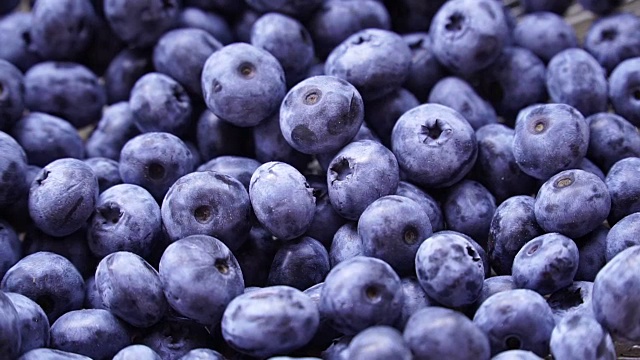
x=581, y=337
x=62, y=30
x=449, y=269
x=105, y=45
x=468, y=208
x=572, y=202
x=33, y=322
x=375, y=61
x=392, y=228
x=172, y=339
x=575, y=78
x=202, y=354
x=457, y=94
x=192, y=292
x=294, y=8
x=611, y=138
x=46, y=138
x=123, y=71
x=256, y=255
x=181, y=54
x=242, y=26
x=364, y=133
x=211, y=22
x=130, y=289
x=160, y=104
x=338, y=348
x=425, y=70
x=10, y=247
x=10, y=328
x=591, y=249
x=382, y=114
x=443, y=151
x=51, y=354
x=545, y=264
x=556, y=6
x=588, y=166
x=17, y=213
x=287, y=40
x=239, y=167
x=106, y=170
x=335, y=21
x=155, y=161
x=300, y=264
x=271, y=145
x=430, y=206
x=92, y=298
x=545, y=34
x=72, y=182
x=379, y=342
x=12, y=95
x=79, y=331
x=516, y=319
x=622, y=189
x=430, y=330
x=141, y=23
x=282, y=200
x=494, y=285
x=415, y=299
x=496, y=166
x=13, y=170
x=112, y=132
x=516, y=355
x=326, y=220
x=573, y=299
x=16, y=40
x=243, y=84
x=615, y=295
x=138, y=352
x=269, y=321
x=622, y=235
x=215, y=137
x=58, y=286
x=624, y=90
x=361, y=292
x=468, y=35
x=346, y=244
x=207, y=203
x=613, y=39
x=65, y=89
x=549, y=138
x=360, y=173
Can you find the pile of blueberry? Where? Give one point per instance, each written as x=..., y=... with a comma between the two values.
x=335, y=179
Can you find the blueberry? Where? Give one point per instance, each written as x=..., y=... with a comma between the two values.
x=573, y=299
x=410, y=16
x=13, y=169
x=415, y=299
x=300, y=264
x=11, y=94
x=556, y=6
x=10, y=328
x=256, y=255
x=575, y=78
x=622, y=189
x=293, y=8
x=269, y=321
x=624, y=89
x=468, y=35
x=181, y=54
x=112, y=132
x=65, y=89
x=244, y=23
x=92, y=299
x=160, y=104
x=346, y=244
x=450, y=269
x=588, y=166
x=435, y=145
x=123, y=71
x=15, y=36
x=546, y=263
x=549, y=138
x=62, y=30
x=208, y=203
x=460, y=96
x=79, y=331
x=10, y=247
x=338, y=348
x=622, y=235
x=360, y=173
x=209, y=21
x=172, y=339
x=282, y=200
x=581, y=337
x=216, y=137
x=591, y=249
x=572, y=202
x=516, y=354
x=494, y=285
x=51, y=354
x=33, y=322
x=361, y=292
x=615, y=295
x=103, y=47
x=75, y=189
x=382, y=114
x=335, y=21
x=202, y=354
x=243, y=84
x=430, y=206
x=544, y=33
x=326, y=220
x=155, y=161
x=287, y=40
x=379, y=342
x=611, y=138
x=17, y=213
x=46, y=138
x=425, y=70
x=613, y=39
x=468, y=208
x=141, y=23
x=600, y=7
x=106, y=170
x=429, y=333
x=194, y=293
x=137, y=352
x=516, y=320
